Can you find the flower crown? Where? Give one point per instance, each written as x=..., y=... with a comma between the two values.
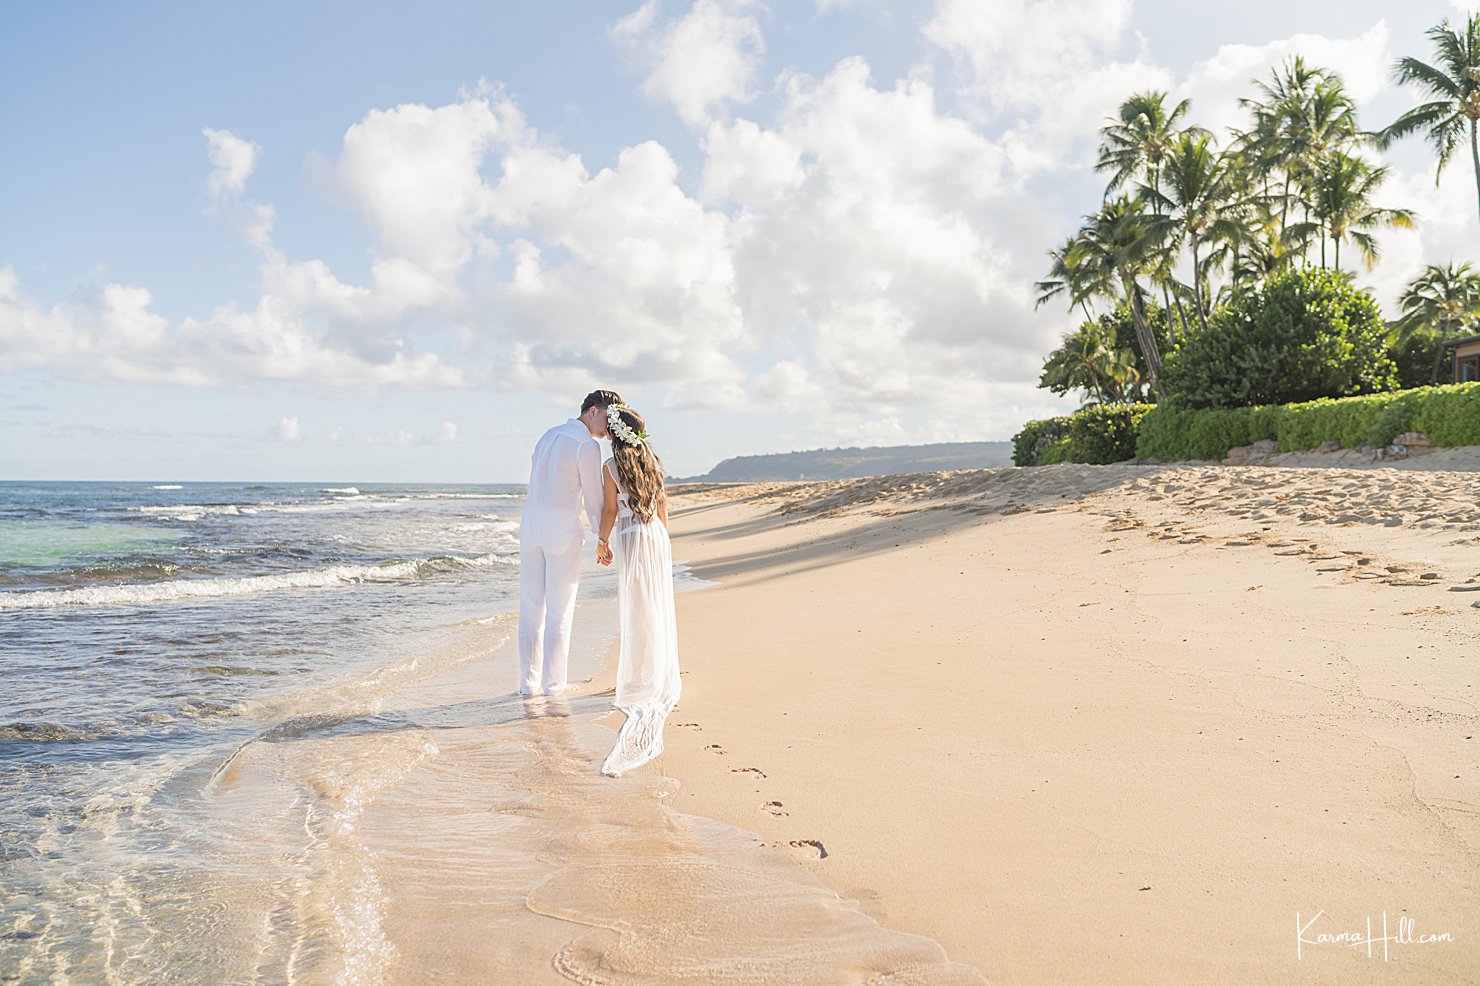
x=620, y=428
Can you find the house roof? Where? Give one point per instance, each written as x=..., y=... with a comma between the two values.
x=1458, y=342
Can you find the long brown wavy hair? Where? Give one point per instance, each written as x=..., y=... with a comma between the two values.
x=639, y=469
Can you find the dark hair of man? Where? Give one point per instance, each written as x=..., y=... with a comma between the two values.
x=599, y=398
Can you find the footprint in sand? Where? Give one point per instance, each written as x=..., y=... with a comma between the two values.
x=687, y=725
x=774, y=808
x=716, y=748
x=747, y=770
x=808, y=848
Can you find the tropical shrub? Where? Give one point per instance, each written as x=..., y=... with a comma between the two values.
x=1413, y=358
x=1303, y=335
x=1105, y=433
x=1054, y=452
x=1028, y=444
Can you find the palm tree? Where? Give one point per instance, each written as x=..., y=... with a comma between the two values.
x=1442, y=299
x=1116, y=247
x=1088, y=360
x=1454, y=84
x=1256, y=258
x=1135, y=142
x=1340, y=191
x=1134, y=145
x=1063, y=280
x=1304, y=113
x=1200, y=205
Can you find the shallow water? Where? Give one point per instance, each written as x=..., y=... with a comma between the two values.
x=147, y=633
x=277, y=779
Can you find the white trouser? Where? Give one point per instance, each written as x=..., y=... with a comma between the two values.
x=548, y=577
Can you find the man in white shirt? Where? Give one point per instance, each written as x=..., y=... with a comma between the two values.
x=565, y=472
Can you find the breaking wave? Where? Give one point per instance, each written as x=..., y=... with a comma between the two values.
x=181, y=589
x=195, y=511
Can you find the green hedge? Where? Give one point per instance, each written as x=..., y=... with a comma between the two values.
x=1100, y=434
x=1057, y=450
x=1105, y=433
x=1029, y=444
x=1448, y=414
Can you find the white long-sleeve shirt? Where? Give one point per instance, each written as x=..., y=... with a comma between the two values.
x=564, y=470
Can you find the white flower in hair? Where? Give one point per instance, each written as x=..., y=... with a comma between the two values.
x=620, y=428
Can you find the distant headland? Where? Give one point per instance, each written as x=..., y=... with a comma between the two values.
x=853, y=463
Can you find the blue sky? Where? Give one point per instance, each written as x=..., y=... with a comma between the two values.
x=395, y=242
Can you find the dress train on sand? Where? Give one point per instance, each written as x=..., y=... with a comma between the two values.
x=647, y=663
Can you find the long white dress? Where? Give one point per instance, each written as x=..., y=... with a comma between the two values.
x=647, y=663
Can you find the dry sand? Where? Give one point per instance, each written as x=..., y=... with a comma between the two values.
x=1103, y=724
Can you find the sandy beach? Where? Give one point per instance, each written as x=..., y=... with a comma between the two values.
x=1103, y=724
x=1153, y=724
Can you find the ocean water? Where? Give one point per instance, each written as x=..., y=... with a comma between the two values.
x=147, y=631
x=263, y=733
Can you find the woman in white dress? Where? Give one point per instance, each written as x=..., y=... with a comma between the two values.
x=647, y=663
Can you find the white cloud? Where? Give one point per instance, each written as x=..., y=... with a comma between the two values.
x=111, y=333
x=754, y=167
x=413, y=172
x=232, y=160
x=878, y=271
x=1044, y=69
x=287, y=430
x=448, y=434
x=632, y=279
x=699, y=62
x=1216, y=84
x=1013, y=47
x=788, y=386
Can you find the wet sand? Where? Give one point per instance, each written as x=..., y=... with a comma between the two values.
x=1103, y=724
x=443, y=829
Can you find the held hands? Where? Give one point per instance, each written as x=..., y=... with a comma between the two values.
x=603, y=554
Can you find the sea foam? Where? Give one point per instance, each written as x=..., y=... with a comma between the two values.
x=181, y=589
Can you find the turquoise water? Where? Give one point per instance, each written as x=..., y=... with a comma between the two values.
x=32, y=543
x=146, y=634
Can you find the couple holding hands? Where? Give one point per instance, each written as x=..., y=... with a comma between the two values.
x=627, y=508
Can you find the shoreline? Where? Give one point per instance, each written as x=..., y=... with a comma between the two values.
x=1168, y=706
x=458, y=831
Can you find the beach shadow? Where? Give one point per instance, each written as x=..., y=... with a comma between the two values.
x=907, y=511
